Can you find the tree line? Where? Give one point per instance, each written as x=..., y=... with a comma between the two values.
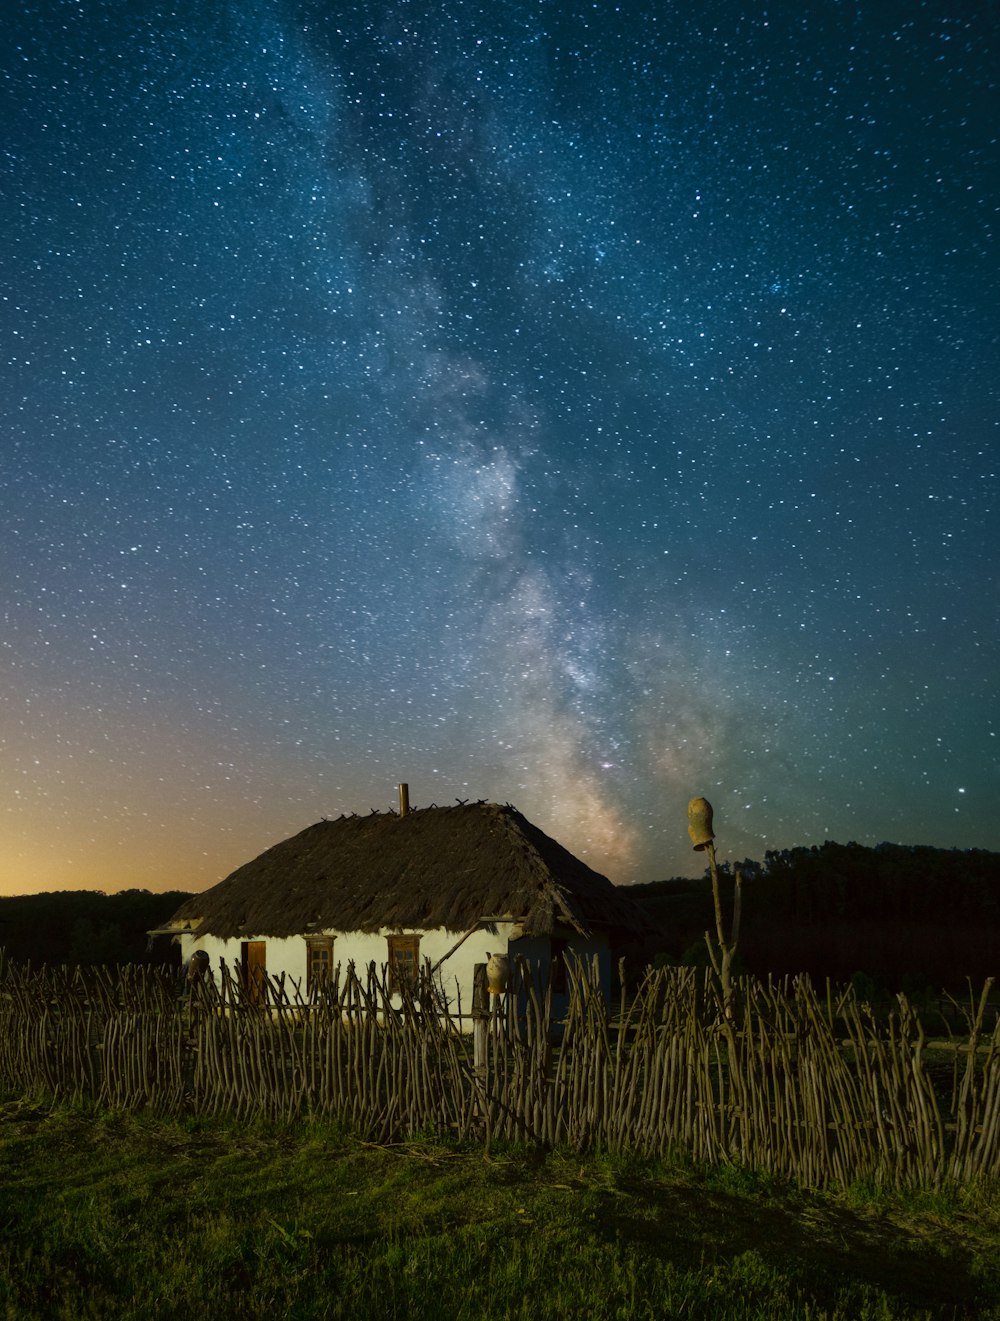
x=906, y=916
x=86, y=926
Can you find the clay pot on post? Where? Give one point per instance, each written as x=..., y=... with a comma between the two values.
x=700, y=823
x=197, y=965
x=497, y=973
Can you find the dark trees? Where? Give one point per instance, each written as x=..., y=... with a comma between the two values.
x=896, y=912
x=85, y=926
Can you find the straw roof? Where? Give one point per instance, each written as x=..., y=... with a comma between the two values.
x=432, y=867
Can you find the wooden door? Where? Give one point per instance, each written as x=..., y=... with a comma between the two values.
x=254, y=963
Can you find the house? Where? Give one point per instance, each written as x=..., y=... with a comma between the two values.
x=442, y=887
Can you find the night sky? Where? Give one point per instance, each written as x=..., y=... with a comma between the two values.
x=585, y=406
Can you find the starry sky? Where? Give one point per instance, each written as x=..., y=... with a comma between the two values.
x=581, y=405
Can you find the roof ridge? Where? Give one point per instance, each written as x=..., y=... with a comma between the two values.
x=414, y=811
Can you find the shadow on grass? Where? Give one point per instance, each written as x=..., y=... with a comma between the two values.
x=927, y=1254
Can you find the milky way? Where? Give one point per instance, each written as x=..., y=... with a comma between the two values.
x=580, y=406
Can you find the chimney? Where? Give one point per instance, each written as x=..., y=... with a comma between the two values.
x=404, y=799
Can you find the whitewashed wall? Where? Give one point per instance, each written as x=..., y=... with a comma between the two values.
x=454, y=977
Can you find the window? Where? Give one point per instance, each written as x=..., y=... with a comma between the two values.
x=253, y=963
x=404, y=961
x=319, y=961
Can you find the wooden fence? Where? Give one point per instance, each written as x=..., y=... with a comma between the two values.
x=815, y=1087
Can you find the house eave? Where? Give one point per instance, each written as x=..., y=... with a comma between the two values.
x=186, y=928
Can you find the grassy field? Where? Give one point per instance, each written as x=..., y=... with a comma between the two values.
x=107, y=1216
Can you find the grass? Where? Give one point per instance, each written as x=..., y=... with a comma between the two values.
x=110, y=1216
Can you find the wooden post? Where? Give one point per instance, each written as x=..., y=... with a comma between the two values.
x=480, y=1020
x=480, y=1051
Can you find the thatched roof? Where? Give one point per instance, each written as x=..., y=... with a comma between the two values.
x=432, y=867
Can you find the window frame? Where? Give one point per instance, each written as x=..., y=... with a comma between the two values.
x=408, y=946
x=316, y=978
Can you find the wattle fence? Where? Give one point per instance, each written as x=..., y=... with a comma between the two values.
x=814, y=1087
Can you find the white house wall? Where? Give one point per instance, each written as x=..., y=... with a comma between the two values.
x=454, y=976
